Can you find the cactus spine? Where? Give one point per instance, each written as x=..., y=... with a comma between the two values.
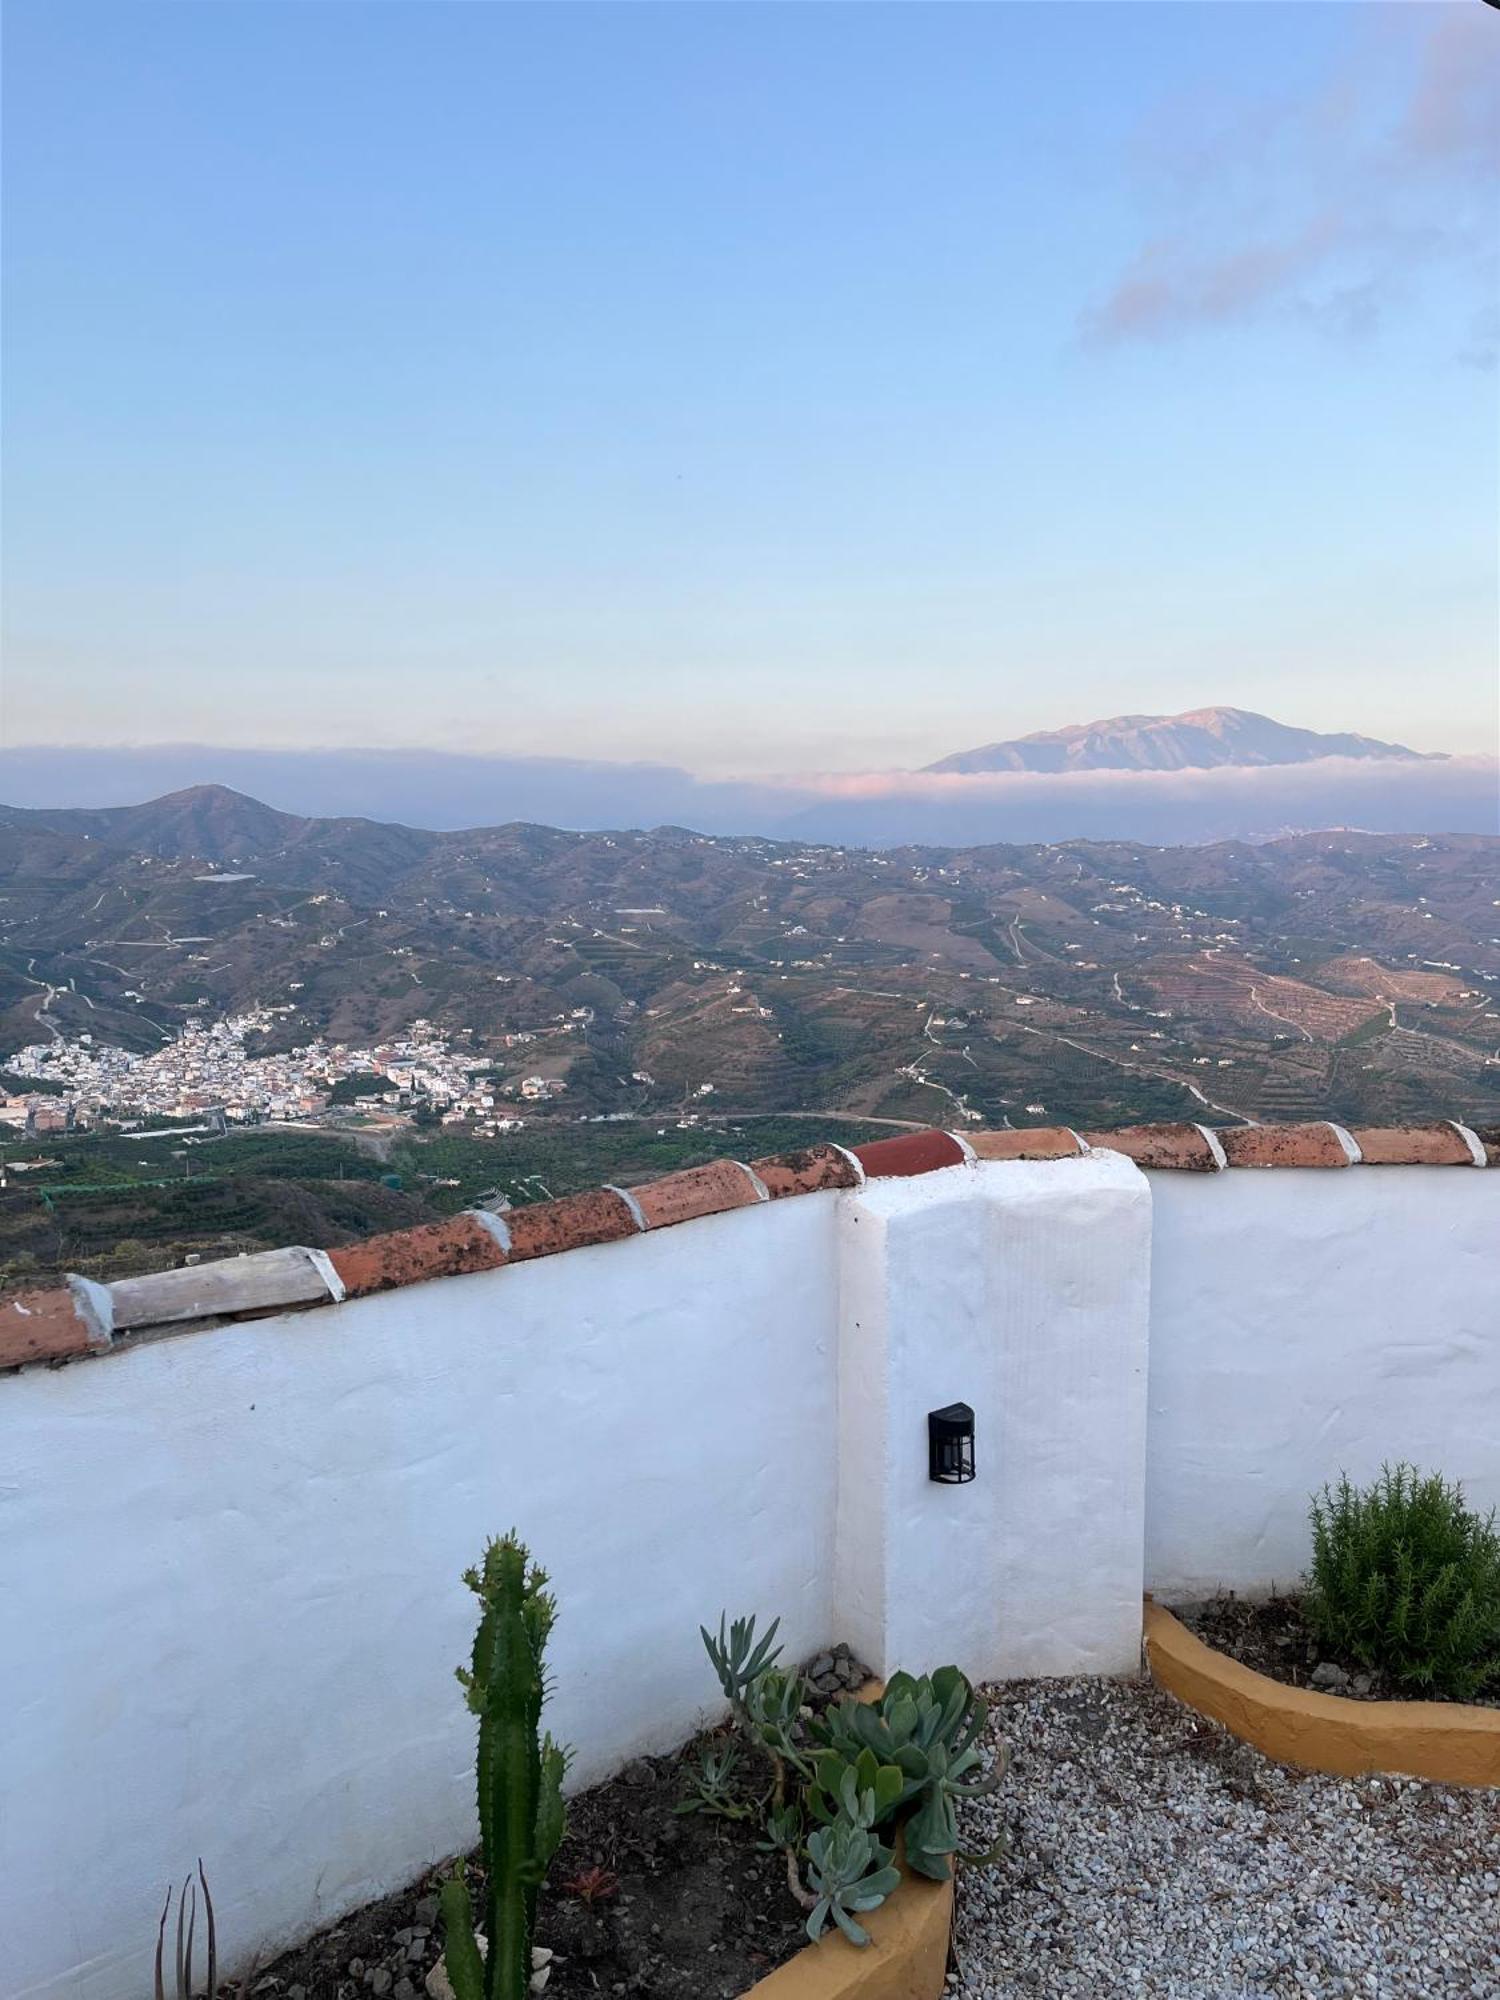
x=520, y=1777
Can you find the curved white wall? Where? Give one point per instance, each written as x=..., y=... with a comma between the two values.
x=230, y=1569
x=230, y=1604
x=1305, y=1323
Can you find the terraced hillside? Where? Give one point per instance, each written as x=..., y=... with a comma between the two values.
x=1344, y=974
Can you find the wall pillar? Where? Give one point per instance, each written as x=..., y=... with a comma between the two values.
x=1021, y=1288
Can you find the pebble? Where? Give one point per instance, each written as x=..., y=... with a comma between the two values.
x=1153, y=1856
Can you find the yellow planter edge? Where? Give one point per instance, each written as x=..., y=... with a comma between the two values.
x=906, y=1958
x=1449, y=1742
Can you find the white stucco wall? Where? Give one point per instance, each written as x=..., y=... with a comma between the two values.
x=230, y=1569
x=1022, y=1290
x=230, y=1604
x=1305, y=1323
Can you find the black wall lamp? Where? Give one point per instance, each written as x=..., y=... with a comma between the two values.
x=950, y=1445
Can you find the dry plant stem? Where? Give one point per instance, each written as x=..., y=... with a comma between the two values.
x=804, y=1898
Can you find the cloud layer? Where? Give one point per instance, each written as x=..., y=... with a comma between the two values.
x=880, y=808
x=1329, y=206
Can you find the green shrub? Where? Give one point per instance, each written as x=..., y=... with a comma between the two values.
x=1406, y=1580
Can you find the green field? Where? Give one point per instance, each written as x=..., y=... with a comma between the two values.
x=114, y=1206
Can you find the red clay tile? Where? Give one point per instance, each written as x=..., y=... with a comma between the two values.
x=1186, y=1148
x=1412, y=1146
x=599, y=1215
x=448, y=1249
x=41, y=1326
x=1282, y=1146
x=705, y=1190
x=910, y=1153
x=1041, y=1142
x=805, y=1171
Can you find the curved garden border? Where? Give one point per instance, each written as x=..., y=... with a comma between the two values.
x=1449, y=1742
x=906, y=1958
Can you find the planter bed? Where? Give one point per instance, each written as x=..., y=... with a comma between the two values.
x=1268, y=1635
x=1452, y=1742
x=697, y=1915
x=694, y=1911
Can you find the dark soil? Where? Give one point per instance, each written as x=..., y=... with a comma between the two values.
x=1270, y=1636
x=642, y=1901
x=685, y=1908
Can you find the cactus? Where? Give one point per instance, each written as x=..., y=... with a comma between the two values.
x=519, y=1775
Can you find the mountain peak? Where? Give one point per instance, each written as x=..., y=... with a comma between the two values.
x=1200, y=739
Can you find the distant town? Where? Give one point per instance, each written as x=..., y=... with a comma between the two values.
x=208, y=1070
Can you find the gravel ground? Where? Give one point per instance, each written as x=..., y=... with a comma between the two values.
x=1152, y=1854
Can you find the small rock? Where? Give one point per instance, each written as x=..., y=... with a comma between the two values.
x=380, y=1982
x=426, y=1911
x=639, y=1771
x=356, y=1968
x=1326, y=1675
x=404, y=1990
x=1362, y=1683
x=823, y=1664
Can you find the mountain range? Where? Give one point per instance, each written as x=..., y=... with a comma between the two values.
x=1207, y=775
x=1348, y=975
x=1200, y=739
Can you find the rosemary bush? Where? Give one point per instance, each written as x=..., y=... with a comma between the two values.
x=1406, y=1580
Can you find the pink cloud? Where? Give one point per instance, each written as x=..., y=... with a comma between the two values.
x=1324, y=206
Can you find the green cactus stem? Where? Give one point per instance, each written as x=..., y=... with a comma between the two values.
x=520, y=1776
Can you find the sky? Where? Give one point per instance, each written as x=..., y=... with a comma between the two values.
x=759, y=389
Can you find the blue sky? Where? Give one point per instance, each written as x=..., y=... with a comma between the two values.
x=763, y=388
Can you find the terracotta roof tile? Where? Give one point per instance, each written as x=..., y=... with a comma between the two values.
x=49, y=1323
x=910, y=1153
x=1041, y=1142
x=44, y=1325
x=706, y=1190
x=1285, y=1146
x=449, y=1249
x=1440, y=1145
x=599, y=1215
x=1191, y=1149
x=806, y=1171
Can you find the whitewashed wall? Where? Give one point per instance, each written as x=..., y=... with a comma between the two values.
x=230, y=1604
x=1021, y=1290
x=1305, y=1323
x=230, y=1569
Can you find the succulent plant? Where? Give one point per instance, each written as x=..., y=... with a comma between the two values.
x=851, y=1872
x=927, y=1729
x=714, y=1785
x=519, y=1778
x=904, y=1760
x=737, y=1659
